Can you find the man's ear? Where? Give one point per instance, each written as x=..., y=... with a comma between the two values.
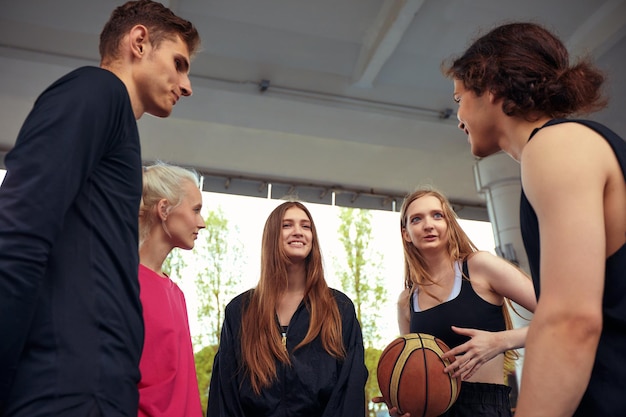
x=138, y=39
x=492, y=97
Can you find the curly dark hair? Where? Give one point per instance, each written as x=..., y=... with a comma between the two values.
x=160, y=21
x=528, y=67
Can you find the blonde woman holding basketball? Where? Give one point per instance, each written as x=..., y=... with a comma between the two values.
x=457, y=294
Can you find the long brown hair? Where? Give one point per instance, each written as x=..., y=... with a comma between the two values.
x=529, y=68
x=460, y=246
x=261, y=343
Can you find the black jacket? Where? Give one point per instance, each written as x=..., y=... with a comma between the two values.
x=315, y=385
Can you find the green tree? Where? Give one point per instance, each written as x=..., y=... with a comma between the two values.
x=361, y=279
x=372, y=355
x=174, y=264
x=218, y=262
x=204, y=369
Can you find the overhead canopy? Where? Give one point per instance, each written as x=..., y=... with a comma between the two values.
x=311, y=96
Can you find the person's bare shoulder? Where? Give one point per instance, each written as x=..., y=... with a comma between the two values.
x=403, y=298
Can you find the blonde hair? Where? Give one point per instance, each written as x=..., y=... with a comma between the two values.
x=162, y=181
x=460, y=246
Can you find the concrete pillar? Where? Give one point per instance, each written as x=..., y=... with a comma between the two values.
x=498, y=179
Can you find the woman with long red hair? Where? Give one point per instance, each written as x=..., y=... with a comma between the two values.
x=292, y=345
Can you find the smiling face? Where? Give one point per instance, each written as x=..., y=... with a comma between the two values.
x=478, y=117
x=184, y=221
x=163, y=76
x=297, y=235
x=426, y=226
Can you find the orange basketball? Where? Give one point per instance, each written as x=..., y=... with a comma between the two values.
x=411, y=377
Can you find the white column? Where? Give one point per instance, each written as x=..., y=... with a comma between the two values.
x=498, y=179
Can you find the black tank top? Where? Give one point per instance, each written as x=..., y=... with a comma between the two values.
x=467, y=309
x=605, y=395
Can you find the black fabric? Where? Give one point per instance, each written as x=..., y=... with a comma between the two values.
x=316, y=385
x=467, y=309
x=605, y=393
x=70, y=313
x=480, y=399
x=95, y=412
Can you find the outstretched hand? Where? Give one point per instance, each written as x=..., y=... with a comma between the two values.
x=393, y=411
x=471, y=355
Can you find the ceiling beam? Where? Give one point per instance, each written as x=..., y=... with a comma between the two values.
x=383, y=37
x=601, y=31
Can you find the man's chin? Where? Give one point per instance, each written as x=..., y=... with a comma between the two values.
x=162, y=113
x=482, y=153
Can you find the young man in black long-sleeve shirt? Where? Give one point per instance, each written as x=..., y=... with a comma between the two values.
x=70, y=315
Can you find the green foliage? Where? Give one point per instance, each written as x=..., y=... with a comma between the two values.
x=216, y=282
x=372, y=355
x=361, y=279
x=361, y=276
x=204, y=369
x=174, y=264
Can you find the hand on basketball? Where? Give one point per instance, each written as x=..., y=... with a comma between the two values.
x=393, y=411
x=471, y=355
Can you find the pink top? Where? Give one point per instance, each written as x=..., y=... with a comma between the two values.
x=168, y=386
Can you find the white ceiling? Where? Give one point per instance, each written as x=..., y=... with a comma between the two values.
x=356, y=101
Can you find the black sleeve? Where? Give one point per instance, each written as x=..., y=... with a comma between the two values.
x=348, y=396
x=57, y=146
x=223, y=389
